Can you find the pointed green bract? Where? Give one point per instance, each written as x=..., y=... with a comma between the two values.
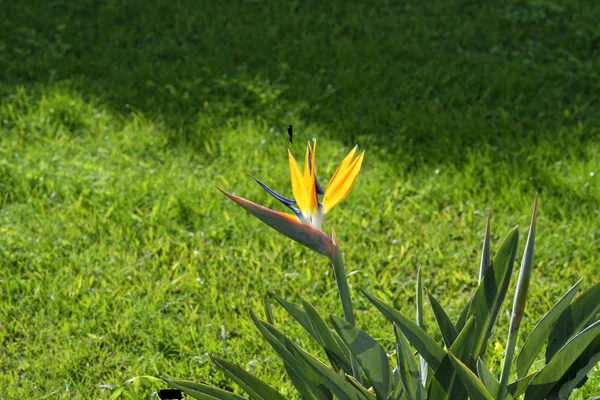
x=491, y=292
x=200, y=391
x=446, y=326
x=287, y=225
x=540, y=332
x=550, y=375
x=370, y=355
x=408, y=369
x=426, y=346
x=573, y=319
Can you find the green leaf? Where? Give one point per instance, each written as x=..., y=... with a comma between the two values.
x=519, y=303
x=268, y=312
x=446, y=326
x=408, y=369
x=519, y=386
x=309, y=386
x=485, y=376
x=420, y=324
x=490, y=294
x=200, y=391
x=118, y=391
x=554, y=371
x=426, y=346
x=576, y=374
x=359, y=387
x=446, y=385
x=573, y=319
x=297, y=313
x=473, y=385
x=485, y=251
x=255, y=387
x=538, y=335
x=337, y=356
x=338, y=386
x=462, y=318
x=370, y=355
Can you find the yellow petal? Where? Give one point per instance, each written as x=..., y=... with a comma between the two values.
x=306, y=167
x=342, y=167
x=298, y=185
x=339, y=188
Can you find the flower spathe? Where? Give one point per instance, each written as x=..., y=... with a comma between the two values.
x=309, y=211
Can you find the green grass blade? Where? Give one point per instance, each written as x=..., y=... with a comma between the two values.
x=255, y=387
x=419, y=321
x=446, y=326
x=119, y=390
x=485, y=251
x=491, y=292
x=540, y=332
x=200, y=391
x=476, y=389
x=370, y=355
x=447, y=385
x=554, y=371
x=408, y=369
x=337, y=355
x=426, y=346
x=338, y=386
x=572, y=320
x=519, y=302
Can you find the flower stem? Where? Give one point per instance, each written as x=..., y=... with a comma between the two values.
x=344, y=291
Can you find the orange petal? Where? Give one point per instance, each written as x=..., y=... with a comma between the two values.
x=345, y=163
x=340, y=188
x=287, y=224
x=298, y=187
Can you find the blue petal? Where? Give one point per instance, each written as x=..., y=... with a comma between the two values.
x=284, y=200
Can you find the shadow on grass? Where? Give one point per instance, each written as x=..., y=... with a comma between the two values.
x=423, y=81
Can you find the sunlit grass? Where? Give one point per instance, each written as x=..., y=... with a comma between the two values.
x=118, y=257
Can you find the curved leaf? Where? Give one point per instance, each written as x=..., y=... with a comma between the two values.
x=199, y=390
x=474, y=386
x=446, y=326
x=408, y=369
x=370, y=355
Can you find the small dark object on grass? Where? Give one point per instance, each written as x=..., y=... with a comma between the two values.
x=290, y=133
x=170, y=394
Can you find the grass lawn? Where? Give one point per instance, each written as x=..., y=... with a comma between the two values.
x=117, y=256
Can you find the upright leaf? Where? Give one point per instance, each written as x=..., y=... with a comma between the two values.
x=573, y=319
x=338, y=386
x=485, y=251
x=407, y=367
x=491, y=292
x=446, y=384
x=446, y=326
x=426, y=346
x=420, y=324
x=473, y=385
x=370, y=355
x=539, y=334
x=519, y=303
x=338, y=356
x=553, y=372
x=485, y=375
